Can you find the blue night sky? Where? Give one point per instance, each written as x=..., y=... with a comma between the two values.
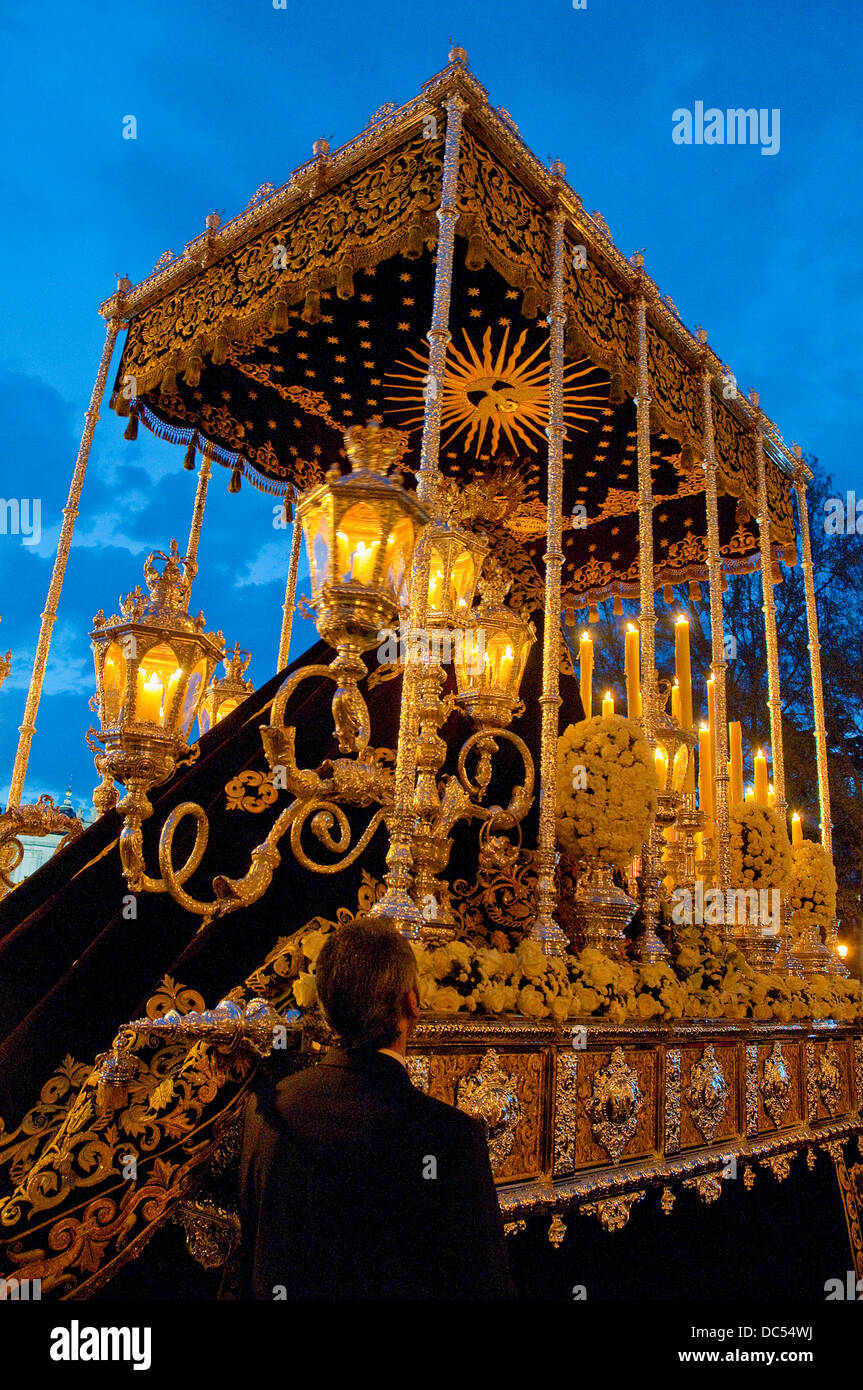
x=764, y=251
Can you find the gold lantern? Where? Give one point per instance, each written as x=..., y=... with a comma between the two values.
x=455, y=561
x=225, y=693
x=153, y=664
x=491, y=658
x=361, y=530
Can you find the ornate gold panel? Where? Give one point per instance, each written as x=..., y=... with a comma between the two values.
x=790, y=1112
x=447, y=1070
x=644, y=1064
x=727, y=1125
x=828, y=1079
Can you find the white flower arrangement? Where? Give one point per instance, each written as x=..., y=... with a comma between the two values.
x=812, y=890
x=759, y=848
x=606, y=790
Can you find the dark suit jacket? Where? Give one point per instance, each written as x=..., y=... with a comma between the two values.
x=338, y=1197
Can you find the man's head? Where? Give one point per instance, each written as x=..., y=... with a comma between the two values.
x=366, y=977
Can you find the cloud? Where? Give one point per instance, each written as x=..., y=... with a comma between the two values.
x=70, y=665
x=270, y=565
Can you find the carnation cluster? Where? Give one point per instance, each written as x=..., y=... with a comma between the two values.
x=812, y=890
x=604, y=812
x=759, y=848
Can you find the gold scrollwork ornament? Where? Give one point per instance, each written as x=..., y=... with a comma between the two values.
x=615, y=1105
x=707, y=1093
x=491, y=1094
x=776, y=1085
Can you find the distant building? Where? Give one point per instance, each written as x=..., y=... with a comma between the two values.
x=38, y=849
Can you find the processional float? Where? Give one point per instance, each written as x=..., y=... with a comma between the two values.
x=483, y=419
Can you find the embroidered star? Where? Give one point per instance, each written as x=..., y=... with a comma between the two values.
x=369, y=364
x=302, y=333
x=271, y=424
x=589, y=475
x=363, y=323
x=370, y=269
x=512, y=294
x=405, y=275
x=333, y=340
x=475, y=313
x=226, y=395
x=405, y=327
x=615, y=530
x=374, y=382
x=253, y=395
x=663, y=516
x=367, y=346
x=297, y=425
x=345, y=395
x=341, y=359
x=326, y=318
x=309, y=372
x=366, y=298
x=339, y=380
x=303, y=356
x=408, y=303
x=473, y=290
x=504, y=323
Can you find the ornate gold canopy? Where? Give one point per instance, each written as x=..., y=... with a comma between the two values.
x=272, y=334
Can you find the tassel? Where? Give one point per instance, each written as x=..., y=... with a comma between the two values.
x=287, y=509
x=593, y=614
x=191, y=450
x=123, y=406
x=131, y=430
x=220, y=349
x=617, y=607
x=688, y=457
x=414, y=248
x=694, y=591
x=616, y=393
x=741, y=513
x=112, y=404
x=668, y=593
x=725, y=583
x=236, y=478
x=791, y=558
x=777, y=575
x=279, y=318
x=475, y=258
x=345, y=280
x=530, y=302
x=193, y=368
x=312, y=307
x=168, y=384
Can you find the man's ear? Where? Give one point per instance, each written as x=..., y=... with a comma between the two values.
x=412, y=1003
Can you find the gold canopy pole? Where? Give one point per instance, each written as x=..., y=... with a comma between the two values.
x=200, y=502
x=290, y=591
x=397, y=901
x=647, y=614
x=717, y=629
x=49, y=616
x=651, y=948
x=774, y=702
x=545, y=929
x=814, y=658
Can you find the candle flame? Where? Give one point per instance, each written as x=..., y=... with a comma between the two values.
x=681, y=618
x=585, y=637
x=630, y=627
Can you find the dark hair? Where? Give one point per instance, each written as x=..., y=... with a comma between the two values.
x=363, y=973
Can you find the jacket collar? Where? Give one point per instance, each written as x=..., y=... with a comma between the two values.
x=368, y=1061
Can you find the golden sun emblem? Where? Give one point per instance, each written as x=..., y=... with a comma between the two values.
x=498, y=391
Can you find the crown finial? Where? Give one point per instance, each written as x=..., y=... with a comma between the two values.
x=458, y=55
x=372, y=447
